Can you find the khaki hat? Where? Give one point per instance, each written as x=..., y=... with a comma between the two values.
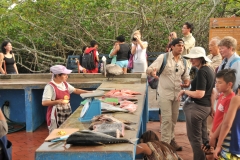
x=197, y=52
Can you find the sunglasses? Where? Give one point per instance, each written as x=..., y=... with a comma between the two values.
x=176, y=69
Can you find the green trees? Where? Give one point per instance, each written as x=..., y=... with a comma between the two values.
x=45, y=32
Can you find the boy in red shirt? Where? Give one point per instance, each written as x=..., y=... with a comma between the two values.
x=225, y=80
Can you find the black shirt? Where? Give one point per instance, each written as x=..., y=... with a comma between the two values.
x=122, y=54
x=9, y=64
x=203, y=81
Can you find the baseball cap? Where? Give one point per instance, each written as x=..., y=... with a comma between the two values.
x=58, y=69
x=176, y=41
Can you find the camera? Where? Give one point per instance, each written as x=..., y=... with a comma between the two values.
x=207, y=145
x=134, y=39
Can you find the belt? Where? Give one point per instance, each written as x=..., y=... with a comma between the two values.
x=189, y=100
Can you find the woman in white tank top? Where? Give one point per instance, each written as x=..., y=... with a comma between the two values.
x=139, y=49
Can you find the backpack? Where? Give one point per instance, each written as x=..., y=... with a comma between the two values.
x=152, y=82
x=88, y=59
x=233, y=61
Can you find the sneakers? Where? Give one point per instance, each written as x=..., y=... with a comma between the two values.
x=175, y=145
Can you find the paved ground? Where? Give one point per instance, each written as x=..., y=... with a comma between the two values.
x=180, y=135
x=180, y=129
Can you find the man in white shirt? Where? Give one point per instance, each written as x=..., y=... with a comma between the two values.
x=214, y=55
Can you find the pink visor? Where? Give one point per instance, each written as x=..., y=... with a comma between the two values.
x=58, y=69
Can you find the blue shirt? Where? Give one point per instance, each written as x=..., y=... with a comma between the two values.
x=114, y=57
x=232, y=141
x=235, y=66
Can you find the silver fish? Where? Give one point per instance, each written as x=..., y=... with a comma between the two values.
x=86, y=137
x=108, y=118
x=110, y=108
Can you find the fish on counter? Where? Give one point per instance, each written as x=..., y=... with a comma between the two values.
x=115, y=133
x=130, y=106
x=86, y=137
x=115, y=100
x=103, y=118
x=108, y=108
x=127, y=91
x=113, y=129
x=121, y=93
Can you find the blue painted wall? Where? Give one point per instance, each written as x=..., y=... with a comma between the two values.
x=16, y=97
x=84, y=155
x=75, y=101
x=154, y=115
x=26, y=105
x=35, y=112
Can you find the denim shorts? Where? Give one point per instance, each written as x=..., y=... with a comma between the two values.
x=122, y=64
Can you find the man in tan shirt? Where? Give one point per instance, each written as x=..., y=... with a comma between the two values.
x=170, y=83
x=214, y=55
x=189, y=40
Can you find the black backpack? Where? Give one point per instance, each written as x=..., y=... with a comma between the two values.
x=87, y=60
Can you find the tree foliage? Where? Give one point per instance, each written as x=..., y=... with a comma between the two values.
x=45, y=32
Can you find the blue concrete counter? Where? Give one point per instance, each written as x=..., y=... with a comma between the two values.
x=121, y=151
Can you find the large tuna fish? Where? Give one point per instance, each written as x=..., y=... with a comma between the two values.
x=86, y=137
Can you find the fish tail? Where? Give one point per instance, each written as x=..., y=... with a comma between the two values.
x=133, y=141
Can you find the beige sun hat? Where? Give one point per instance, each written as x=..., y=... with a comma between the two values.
x=197, y=52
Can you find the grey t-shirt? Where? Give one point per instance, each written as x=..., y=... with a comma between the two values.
x=49, y=92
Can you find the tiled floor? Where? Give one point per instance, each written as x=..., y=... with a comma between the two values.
x=25, y=144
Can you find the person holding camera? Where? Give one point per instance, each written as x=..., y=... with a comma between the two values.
x=171, y=37
x=139, y=49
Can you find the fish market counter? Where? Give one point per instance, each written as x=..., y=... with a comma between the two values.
x=119, y=151
x=24, y=93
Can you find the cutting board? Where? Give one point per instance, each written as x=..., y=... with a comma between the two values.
x=54, y=134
